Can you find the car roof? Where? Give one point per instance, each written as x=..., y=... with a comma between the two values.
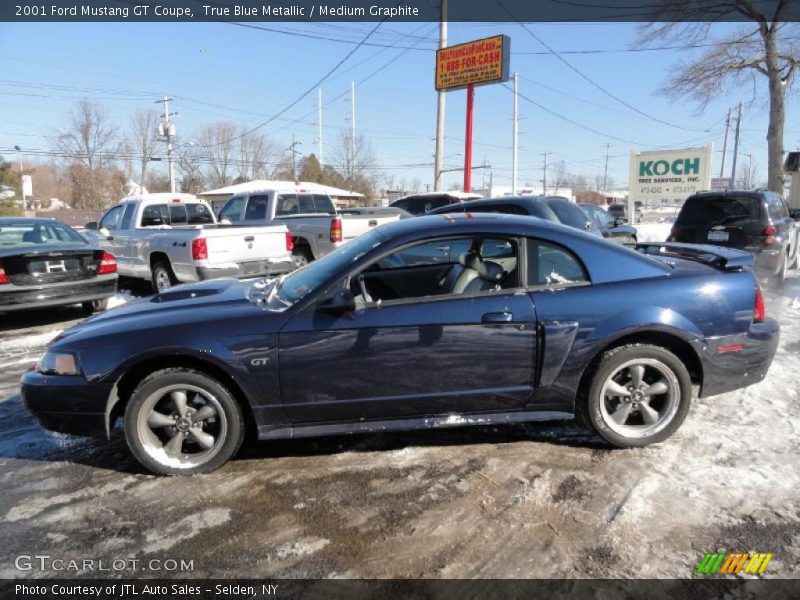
x=29, y=220
x=442, y=194
x=731, y=193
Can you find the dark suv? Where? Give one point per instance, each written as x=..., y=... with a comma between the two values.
x=422, y=204
x=549, y=208
x=758, y=222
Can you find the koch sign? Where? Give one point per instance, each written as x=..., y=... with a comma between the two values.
x=474, y=63
x=669, y=174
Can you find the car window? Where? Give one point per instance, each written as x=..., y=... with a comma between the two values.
x=111, y=219
x=323, y=204
x=497, y=249
x=306, y=203
x=232, y=211
x=155, y=214
x=24, y=234
x=711, y=211
x=775, y=207
x=256, y=208
x=198, y=214
x=552, y=265
x=127, y=216
x=506, y=208
x=431, y=253
x=177, y=214
x=287, y=205
x=568, y=213
x=401, y=204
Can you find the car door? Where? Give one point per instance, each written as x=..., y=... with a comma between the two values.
x=121, y=242
x=410, y=357
x=107, y=228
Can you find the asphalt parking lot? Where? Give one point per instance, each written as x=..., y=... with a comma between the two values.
x=540, y=500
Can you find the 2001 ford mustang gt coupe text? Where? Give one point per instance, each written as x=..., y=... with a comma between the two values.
x=430, y=322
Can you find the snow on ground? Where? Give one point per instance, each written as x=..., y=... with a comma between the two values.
x=120, y=298
x=653, y=232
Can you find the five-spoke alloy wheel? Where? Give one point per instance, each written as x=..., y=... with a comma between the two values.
x=639, y=394
x=181, y=421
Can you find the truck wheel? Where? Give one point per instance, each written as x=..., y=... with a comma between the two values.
x=95, y=306
x=181, y=421
x=638, y=395
x=301, y=256
x=163, y=277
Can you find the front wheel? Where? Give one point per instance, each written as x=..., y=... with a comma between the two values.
x=638, y=395
x=181, y=422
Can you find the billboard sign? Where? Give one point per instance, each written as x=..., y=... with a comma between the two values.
x=669, y=176
x=720, y=184
x=473, y=63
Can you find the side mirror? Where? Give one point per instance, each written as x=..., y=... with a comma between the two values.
x=91, y=225
x=341, y=302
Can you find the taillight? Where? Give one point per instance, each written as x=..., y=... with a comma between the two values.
x=759, y=310
x=108, y=264
x=199, y=249
x=3, y=276
x=768, y=234
x=289, y=242
x=336, y=229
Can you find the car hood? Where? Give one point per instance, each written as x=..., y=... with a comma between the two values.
x=176, y=309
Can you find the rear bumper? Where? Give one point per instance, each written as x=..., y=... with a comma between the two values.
x=67, y=404
x=732, y=362
x=13, y=297
x=248, y=269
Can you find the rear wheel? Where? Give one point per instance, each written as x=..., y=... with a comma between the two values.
x=181, y=421
x=95, y=306
x=638, y=395
x=301, y=256
x=162, y=276
x=777, y=279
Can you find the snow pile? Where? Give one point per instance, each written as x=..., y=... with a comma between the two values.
x=120, y=298
x=652, y=232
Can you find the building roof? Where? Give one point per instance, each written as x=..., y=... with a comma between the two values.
x=290, y=186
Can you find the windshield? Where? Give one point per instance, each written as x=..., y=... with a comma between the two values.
x=32, y=234
x=298, y=284
x=711, y=211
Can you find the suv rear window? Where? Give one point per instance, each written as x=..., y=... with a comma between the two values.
x=711, y=211
x=568, y=213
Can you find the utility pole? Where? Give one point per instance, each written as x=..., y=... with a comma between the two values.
x=736, y=145
x=544, y=173
x=515, y=144
x=605, y=170
x=167, y=131
x=21, y=177
x=439, y=155
x=294, y=154
x=319, y=124
x=353, y=123
x=725, y=143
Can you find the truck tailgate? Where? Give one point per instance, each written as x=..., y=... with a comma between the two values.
x=354, y=225
x=236, y=244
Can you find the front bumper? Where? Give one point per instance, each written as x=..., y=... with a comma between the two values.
x=67, y=404
x=13, y=297
x=732, y=362
x=249, y=269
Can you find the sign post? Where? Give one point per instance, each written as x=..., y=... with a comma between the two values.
x=463, y=67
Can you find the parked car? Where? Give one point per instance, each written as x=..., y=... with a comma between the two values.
x=425, y=202
x=620, y=211
x=174, y=238
x=609, y=226
x=312, y=219
x=549, y=208
x=756, y=221
x=366, y=340
x=374, y=211
x=44, y=262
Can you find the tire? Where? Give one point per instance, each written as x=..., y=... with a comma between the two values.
x=301, y=256
x=649, y=418
x=162, y=276
x=95, y=306
x=796, y=260
x=161, y=426
x=777, y=279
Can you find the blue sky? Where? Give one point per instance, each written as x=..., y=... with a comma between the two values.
x=224, y=71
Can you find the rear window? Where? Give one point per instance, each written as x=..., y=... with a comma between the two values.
x=567, y=213
x=198, y=214
x=324, y=204
x=24, y=235
x=505, y=208
x=711, y=211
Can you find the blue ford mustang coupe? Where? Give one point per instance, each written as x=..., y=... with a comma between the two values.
x=431, y=322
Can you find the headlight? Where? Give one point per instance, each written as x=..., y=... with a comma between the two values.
x=58, y=363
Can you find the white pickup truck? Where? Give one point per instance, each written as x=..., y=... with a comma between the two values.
x=174, y=238
x=311, y=218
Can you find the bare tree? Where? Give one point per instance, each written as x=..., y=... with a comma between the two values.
x=190, y=166
x=559, y=175
x=89, y=144
x=144, y=138
x=218, y=142
x=748, y=173
x=354, y=158
x=257, y=153
x=766, y=47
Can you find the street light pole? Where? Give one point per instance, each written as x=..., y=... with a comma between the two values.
x=21, y=176
x=440, y=105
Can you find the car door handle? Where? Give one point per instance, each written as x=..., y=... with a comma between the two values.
x=497, y=317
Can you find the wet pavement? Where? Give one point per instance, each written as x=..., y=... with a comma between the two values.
x=538, y=500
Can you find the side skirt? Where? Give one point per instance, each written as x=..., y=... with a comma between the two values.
x=272, y=432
